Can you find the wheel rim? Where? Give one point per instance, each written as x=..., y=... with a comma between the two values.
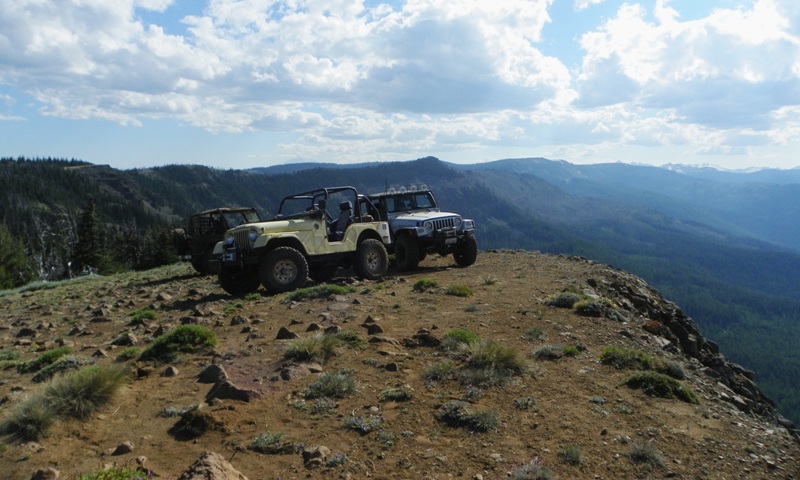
x=373, y=260
x=284, y=271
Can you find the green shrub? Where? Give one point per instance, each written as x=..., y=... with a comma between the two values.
x=323, y=406
x=116, y=473
x=363, y=425
x=571, y=455
x=350, y=339
x=62, y=365
x=252, y=296
x=482, y=421
x=318, y=291
x=10, y=359
x=531, y=471
x=425, y=284
x=334, y=385
x=489, y=280
x=563, y=300
x=459, y=291
x=457, y=340
x=645, y=452
x=471, y=308
x=548, y=352
x=141, y=314
x=456, y=413
x=271, y=443
x=462, y=335
x=386, y=439
x=338, y=458
x=525, y=403
x=46, y=358
x=8, y=355
x=126, y=354
x=533, y=333
x=439, y=371
x=489, y=355
x=661, y=385
x=637, y=359
x=182, y=339
x=400, y=394
x=571, y=351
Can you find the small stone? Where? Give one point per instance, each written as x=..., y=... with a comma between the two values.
x=316, y=456
x=285, y=334
x=48, y=473
x=170, y=371
x=123, y=448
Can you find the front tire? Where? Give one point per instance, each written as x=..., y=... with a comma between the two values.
x=371, y=260
x=406, y=253
x=283, y=269
x=238, y=282
x=467, y=252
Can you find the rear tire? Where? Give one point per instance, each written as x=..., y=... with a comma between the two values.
x=467, y=252
x=371, y=260
x=238, y=282
x=283, y=269
x=406, y=253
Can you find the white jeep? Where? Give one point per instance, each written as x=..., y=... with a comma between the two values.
x=305, y=240
x=419, y=227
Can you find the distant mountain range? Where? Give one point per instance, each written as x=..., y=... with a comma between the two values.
x=725, y=246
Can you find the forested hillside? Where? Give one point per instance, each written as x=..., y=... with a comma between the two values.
x=741, y=289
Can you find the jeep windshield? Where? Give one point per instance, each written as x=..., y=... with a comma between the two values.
x=407, y=202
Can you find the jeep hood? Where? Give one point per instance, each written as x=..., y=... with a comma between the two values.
x=279, y=226
x=422, y=215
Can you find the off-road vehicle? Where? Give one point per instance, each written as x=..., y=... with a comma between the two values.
x=305, y=239
x=419, y=227
x=204, y=230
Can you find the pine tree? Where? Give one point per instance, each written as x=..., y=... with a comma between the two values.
x=87, y=255
x=13, y=265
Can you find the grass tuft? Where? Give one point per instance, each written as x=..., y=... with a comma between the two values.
x=271, y=444
x=459, y=291
x=425, y=284
x=318, y=291
x=116, y=473
x=76, y=395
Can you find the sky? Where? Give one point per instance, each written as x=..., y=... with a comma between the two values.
x=251, y=83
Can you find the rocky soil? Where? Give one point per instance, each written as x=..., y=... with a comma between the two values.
x=571, y=415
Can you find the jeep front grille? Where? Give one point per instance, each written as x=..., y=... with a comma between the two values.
x=443, y=223
x=241, y=240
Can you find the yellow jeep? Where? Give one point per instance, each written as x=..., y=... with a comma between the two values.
x=313, y=234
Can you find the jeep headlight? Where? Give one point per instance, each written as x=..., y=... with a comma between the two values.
x=229, y=238
x=457, y=222
x=252, y=234
x=428, y=225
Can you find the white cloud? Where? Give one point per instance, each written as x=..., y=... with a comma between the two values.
x=346, y=79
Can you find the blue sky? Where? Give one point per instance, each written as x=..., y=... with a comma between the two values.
x=240, y=84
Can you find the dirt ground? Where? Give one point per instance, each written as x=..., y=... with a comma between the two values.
x=571, y=415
